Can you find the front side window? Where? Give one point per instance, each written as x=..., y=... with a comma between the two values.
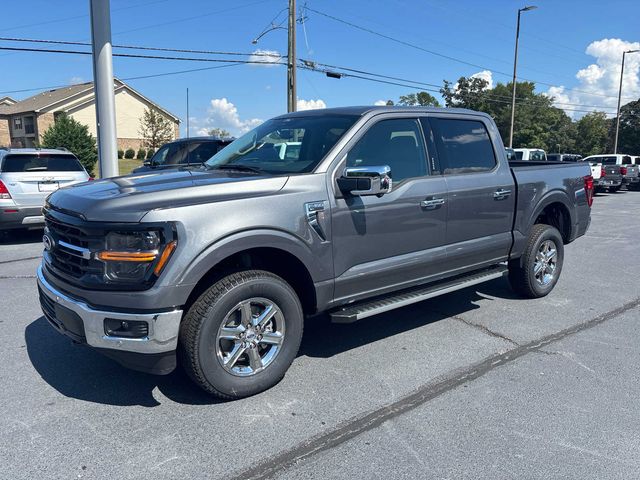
x=464, y=146
x=396, y=143
x=287, y=145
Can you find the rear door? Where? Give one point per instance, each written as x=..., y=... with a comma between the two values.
x=482, y=194
x=30, y=178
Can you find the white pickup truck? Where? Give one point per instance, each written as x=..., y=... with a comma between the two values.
x=630, y=172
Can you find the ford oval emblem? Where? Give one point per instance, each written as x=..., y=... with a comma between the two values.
x=47, y=242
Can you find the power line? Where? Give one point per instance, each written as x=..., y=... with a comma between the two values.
x=138, y=47
x=448, y=57
x=133, y=55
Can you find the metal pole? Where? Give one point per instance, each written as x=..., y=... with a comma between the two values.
x=291, y=59
x=615, y=143
x=513, y=95
x=103, y=88
x=187, y=112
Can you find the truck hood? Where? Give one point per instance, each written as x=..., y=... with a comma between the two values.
x=129, y=198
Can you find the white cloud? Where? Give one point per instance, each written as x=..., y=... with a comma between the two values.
x=311, y=104
x=598, y=83
x=76, y=80
x=485, y=75
x=380, y=103
x=268, y=58
x=224, y=114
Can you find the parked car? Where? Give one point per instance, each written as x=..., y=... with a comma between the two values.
x=630, y=172
x=381, y=208
x=563, y=157
x=27, y=177
x=535, y=154
x=192, y=151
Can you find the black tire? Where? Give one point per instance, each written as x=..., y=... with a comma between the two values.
x=521, y=270
x=198, y=343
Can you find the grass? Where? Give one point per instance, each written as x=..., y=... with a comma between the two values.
x=125, y=165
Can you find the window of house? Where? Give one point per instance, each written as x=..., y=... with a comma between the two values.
x=29, y=125
x=464, y=146
x=396, y=143
x=17, y=123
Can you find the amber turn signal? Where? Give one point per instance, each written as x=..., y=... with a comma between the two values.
x=109, y=256
x=166, y=254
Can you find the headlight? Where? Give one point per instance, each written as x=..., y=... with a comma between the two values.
x=135, y=256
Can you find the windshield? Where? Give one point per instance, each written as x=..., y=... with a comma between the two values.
x=43, y=162
x=284, y=145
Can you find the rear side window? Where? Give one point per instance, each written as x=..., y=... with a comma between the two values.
x=44, y=162
x=464, y=146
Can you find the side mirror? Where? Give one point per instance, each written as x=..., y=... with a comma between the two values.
x=363, y=181
x=146, y=163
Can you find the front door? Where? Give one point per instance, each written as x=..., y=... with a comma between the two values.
x=398, y=239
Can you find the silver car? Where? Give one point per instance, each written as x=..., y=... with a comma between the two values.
x=27, y=177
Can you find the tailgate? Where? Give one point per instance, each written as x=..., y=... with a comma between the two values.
x=31, y=188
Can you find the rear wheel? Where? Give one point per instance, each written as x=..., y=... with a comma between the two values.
x=240, y=337
x=537, y=272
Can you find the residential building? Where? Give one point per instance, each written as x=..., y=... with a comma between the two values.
x=22, y=123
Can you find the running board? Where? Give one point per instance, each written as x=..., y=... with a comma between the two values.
x=358, y=311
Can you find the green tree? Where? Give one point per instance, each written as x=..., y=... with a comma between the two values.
x=629, y=135
x=219, y=132
x=592, y=134
x=68, y=133
x=155, y=129
x=468, y=92
x=424, y=99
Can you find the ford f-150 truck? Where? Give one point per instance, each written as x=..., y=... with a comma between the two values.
x=378, y=208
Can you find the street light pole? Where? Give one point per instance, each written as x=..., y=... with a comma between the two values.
x=515, y=66
x=291, y=59
x=103, y=87
x=615, y=144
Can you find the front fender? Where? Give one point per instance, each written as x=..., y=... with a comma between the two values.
x=318, y=268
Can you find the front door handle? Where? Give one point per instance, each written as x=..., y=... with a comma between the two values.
x=501, y=194
x=432, y=203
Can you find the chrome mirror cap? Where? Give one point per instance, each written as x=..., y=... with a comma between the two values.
x=367, y=180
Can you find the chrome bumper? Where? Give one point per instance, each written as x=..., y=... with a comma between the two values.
x=163, y=327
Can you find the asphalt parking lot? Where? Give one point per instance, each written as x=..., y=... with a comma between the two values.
x=475, y=384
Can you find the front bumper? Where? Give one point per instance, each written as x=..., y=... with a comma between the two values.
x=154, y=353
x=20, y=217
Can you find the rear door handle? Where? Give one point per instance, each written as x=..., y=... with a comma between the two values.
x=432, y=203
x=501, y=194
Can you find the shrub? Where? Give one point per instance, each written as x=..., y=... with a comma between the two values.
x=141, y=154
x=150, y=153
x=120, y=154
x=69, y=133
x=130, y=153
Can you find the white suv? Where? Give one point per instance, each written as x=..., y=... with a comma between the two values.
x=27, y=177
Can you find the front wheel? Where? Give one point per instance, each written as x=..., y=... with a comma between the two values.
x=240, y=337
x=537, y=272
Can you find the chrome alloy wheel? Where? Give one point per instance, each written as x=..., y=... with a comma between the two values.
x=250, y=337
x=544, y=268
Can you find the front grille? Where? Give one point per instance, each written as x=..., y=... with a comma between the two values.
x=70, y=256
x=48, y=307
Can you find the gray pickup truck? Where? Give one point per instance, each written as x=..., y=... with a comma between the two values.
x=376, y=208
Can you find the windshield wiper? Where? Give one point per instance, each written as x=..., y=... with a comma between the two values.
x=241, y=168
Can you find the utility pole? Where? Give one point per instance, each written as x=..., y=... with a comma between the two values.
x=615, y=144
x=291, y=59
x=515, y=66
x=103, y=87
x=187, y=112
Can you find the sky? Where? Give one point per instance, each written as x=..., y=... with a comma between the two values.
x=572, y=50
